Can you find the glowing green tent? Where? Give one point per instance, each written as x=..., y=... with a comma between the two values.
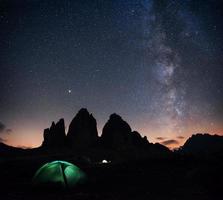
x=59, y=173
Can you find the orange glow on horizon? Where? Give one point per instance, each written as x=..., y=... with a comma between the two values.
x=30, y=137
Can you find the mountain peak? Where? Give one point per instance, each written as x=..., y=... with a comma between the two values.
x=82, y=130
x=55, y=135
x=115, y=116
x=83, y=111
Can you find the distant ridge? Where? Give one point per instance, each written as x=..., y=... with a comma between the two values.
x=203, y=145
x=6, y=150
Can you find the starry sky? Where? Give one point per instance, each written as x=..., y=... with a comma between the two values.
x=158, y=64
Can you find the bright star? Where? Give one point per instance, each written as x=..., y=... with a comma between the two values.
x=69, y=91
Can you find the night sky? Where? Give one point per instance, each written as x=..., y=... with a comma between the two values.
x=158, y=64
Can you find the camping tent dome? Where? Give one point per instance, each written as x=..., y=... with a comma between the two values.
x=59, y=173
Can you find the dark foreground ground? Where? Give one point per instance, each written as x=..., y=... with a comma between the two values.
x=148, y=179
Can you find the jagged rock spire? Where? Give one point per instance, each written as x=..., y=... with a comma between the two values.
x=82, y=130
x=55, y=135
x=118, y=134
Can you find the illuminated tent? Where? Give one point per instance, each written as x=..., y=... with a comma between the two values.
x=59, y=173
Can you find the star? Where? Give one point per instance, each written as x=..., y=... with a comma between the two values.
x=69, y=91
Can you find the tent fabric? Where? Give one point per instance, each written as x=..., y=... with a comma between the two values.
x=60, y=173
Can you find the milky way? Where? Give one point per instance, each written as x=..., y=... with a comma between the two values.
x=156, y=63
x=168, y=104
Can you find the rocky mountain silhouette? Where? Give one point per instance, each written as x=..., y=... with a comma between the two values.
x=55, y=136
x=118, y=134
x=82, y=131
x=117, y=139
x=203, y=145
